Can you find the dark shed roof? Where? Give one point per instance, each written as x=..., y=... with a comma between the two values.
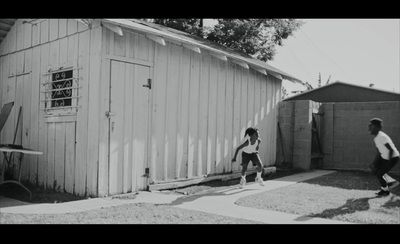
x=344, y=92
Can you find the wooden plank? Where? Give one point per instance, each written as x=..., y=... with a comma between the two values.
x=94, y=111
x=20, y=34
x=257, y=100
x=250, y=98
x=54, y=54
x=12, y=39
x=263, y=127
x=236, y=137
x=69, y=167
x=27, y=28
x=244, y=123
x=140, y=121
x=20, y=62
x=159, y=109
x=34, y=108
x=82, y=126
x=172, y=111
x=128, y=171
x=183, y=116
x=53, y=35
x=63, y=55
x=59, y=157
x=157, y=39
x=221, y=110
x=119, y=45
x=212, y=116
x=72, y=26
x=26, y=113
x=35, y=34
x=194, y=89
x=203, y=115
x=62, y=28
x=143, y=47
x=51, y=140
x=117, y=126
x=104, y=127
x=229, y=102
x=44, y=31
x=202, y=180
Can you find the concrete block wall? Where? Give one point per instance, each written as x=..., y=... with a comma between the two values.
x=347, y=143
x=295, y=119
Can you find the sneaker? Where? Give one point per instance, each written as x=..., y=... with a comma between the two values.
x=392, y=185
x=383, y=193
x=260, y=181
x=242, y=183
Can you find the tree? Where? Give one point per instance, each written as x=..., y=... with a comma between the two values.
x=255, y=37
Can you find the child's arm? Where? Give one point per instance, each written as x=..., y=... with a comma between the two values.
x=258, y=145
x=238, y=149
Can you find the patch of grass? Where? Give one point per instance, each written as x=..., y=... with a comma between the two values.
x=343, y=195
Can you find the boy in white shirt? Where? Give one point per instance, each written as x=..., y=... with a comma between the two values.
x=386, y=158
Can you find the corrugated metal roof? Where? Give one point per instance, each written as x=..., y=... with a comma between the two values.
x=186, y=38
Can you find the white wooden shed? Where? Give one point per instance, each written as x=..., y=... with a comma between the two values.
x=119, y=105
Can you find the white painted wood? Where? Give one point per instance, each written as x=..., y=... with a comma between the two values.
x=27, y=28
x=82, y=125
x=44, y=31
x=212, y=116
x=194, y=100
x=26, y=114
x=183, y=115
x=240, y=63
x=191, y=47
x=203, y=115
x=157, y=39
x=20, y=34
x=94, y=112
x=159, y=113
x=59, y=157
x=69, y=169
x=114, y=28
x=50, y=149
x=62, y=28
x=229, y=122
x=220, y=117
x=219, y=55
x=172, y=110
x=53, y=35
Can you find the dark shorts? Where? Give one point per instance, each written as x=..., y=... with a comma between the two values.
x=253, y=157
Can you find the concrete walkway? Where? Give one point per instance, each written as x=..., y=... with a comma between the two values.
x=221, y=202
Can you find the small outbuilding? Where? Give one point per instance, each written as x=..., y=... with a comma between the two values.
x=119, y=105
x=345, y=92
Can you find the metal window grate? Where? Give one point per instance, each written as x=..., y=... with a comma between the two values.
x=61, y=91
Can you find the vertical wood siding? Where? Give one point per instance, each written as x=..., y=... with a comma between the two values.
x=199, y=108
x=69, y=162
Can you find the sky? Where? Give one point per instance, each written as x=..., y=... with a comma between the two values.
x=355, y=51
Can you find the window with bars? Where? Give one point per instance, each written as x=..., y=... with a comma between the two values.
x=61, y=91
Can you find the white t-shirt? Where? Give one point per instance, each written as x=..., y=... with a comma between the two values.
x=250, y=148
x=380, y=140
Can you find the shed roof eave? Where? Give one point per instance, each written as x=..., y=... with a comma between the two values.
x=188, y=41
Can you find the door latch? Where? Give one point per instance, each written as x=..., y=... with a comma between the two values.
x=109, y=114
x=148, y=85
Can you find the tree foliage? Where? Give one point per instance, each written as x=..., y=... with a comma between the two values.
x=255, y=37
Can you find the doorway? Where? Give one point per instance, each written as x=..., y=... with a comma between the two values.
x=128, y=127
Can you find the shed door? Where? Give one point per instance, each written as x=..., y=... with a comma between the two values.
x=128, y=130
